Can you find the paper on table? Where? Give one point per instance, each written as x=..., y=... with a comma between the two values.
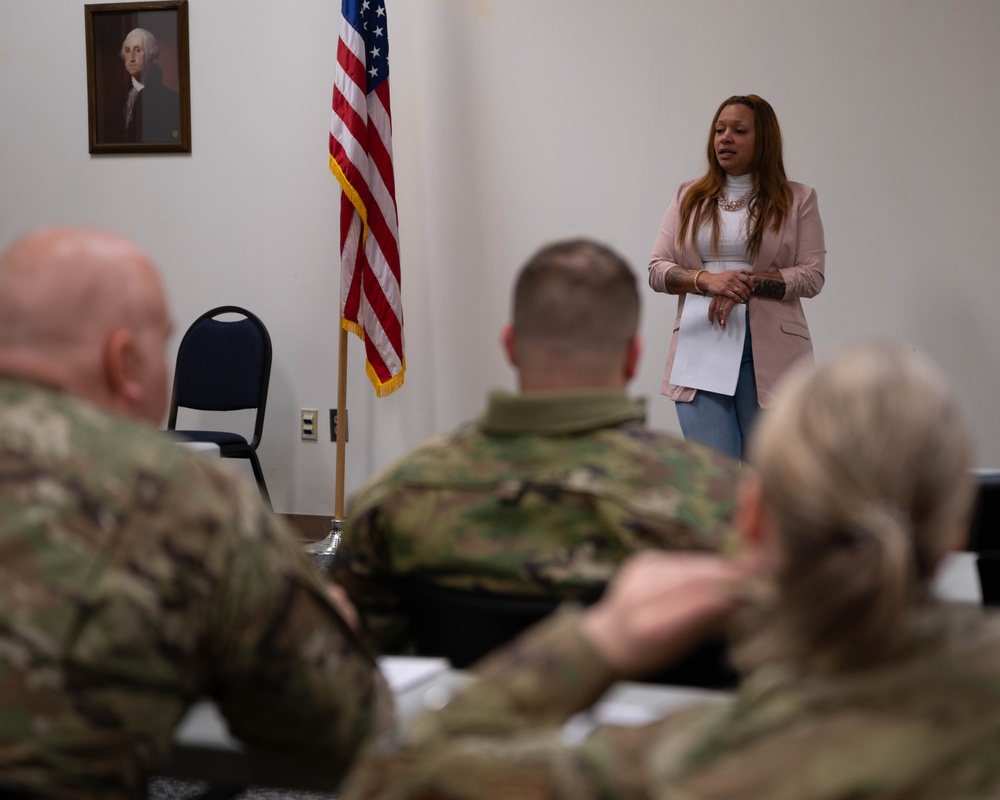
x=405, y=672
x=708, y=356
x=579, y=726
x=957, y=579
x=208, y=448
x=633, y=705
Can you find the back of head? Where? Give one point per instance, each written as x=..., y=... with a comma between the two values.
x=575, y=310
x=65, y=295
x=864, y=465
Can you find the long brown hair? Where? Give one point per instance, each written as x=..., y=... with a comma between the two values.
x=772, y=196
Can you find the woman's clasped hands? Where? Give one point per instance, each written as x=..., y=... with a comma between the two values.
x=727, y=289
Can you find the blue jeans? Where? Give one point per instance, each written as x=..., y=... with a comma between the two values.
x=721, y=421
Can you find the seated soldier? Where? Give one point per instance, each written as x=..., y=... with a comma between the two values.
x=552, y=487
x=858, y=683
x=138, y=576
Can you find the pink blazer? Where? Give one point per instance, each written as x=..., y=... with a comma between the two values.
x=780, y=335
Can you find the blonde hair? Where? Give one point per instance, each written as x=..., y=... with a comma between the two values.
x=865, y=466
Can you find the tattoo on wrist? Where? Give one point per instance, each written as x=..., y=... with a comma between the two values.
x=674, y=279
x=773, y=288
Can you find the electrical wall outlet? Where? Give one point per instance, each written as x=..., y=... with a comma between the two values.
x=309, y=423
x=334, y=427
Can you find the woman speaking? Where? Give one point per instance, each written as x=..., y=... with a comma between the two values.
x=741, y=246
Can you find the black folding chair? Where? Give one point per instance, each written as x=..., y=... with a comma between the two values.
x=224, y=365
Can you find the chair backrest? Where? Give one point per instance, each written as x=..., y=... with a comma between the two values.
x=223, y=366
x=984, y=535
x=988, y=568
x=984, y=530
x=465, y=625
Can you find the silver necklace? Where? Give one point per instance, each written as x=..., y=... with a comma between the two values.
x=736, y=205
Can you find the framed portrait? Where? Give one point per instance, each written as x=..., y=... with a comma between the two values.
x=138, y=80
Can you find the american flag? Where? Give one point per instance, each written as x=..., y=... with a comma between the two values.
x=361, y=160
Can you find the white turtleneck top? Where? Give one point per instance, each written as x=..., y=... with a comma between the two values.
x=733, y=231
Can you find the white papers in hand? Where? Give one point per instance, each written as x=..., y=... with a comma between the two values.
x=708, y=356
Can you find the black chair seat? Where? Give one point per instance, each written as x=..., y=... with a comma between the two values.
x=220, y=438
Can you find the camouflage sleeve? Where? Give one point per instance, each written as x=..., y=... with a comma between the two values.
x=363, y=566
x=501, y=737
x=287, y=672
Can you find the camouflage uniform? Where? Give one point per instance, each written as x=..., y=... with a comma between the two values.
x=136, y=576
x=924, y=727
x=546, y=494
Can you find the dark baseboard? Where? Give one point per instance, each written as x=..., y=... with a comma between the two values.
x=312, y=527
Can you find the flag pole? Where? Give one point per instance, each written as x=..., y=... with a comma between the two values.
x=338, y=507
x=361, y=160
x=324, y=551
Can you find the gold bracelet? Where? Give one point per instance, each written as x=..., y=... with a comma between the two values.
x=697, y=288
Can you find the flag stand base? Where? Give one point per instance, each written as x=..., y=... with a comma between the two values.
x=324, y=551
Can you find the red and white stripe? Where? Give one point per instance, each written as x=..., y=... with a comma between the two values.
x=361, y=159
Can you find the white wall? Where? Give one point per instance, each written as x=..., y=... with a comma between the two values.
x=516, y=122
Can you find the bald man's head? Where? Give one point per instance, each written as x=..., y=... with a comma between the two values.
x=84, y=310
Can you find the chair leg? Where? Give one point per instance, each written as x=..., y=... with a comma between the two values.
x=258, y=474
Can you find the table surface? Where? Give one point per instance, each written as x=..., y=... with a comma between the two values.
x=205, y=749
x=957, y=580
